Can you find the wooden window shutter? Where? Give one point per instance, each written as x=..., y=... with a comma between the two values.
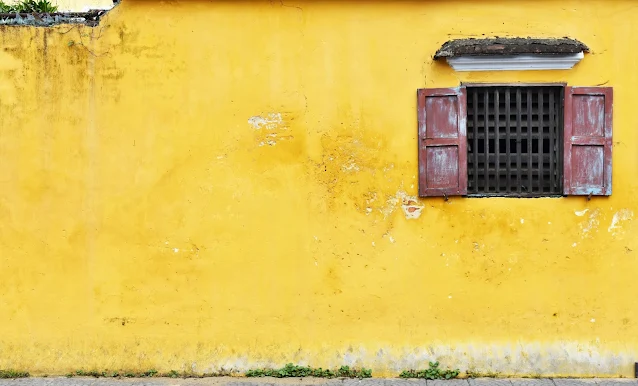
x=442, y=142
x=588, y=141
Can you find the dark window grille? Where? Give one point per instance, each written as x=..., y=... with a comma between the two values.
x=515, y=137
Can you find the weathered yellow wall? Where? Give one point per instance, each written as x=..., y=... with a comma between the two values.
x=196, y=185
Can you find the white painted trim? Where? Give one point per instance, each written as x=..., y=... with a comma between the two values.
x=515, y=62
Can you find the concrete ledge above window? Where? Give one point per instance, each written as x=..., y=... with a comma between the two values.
x=512, y=54
x=515, y=62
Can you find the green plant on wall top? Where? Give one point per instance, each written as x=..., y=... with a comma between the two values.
x=433, y=372
x=29, y=6
x=294, y=371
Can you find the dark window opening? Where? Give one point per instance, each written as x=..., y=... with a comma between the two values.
x=517, y=151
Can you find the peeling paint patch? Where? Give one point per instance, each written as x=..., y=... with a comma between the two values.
x=409, y=204
x=391, y=204
x=270, y=128
x=591, y=224
x=581, y=213
x=620, y=217
x=373, y=197
x=269, y=122
x=351, y=166
x=411, y=210
x=268, y=142
x=389, y=236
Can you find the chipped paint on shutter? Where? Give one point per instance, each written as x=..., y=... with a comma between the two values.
x=588, y=141
x=442, y=142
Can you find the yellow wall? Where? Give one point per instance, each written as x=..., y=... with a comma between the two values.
x=196, y=185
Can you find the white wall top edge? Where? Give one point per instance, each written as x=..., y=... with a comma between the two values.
x=515, y=62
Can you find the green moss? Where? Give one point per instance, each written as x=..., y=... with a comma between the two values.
x=4, y=374
x=152, y=373
x=433, y=372
x=294, y=371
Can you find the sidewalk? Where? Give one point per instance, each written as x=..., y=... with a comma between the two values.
x=228, y=381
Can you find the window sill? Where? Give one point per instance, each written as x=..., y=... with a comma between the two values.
x=514, y=196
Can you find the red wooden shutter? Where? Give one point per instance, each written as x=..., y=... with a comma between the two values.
x=588, y=141
x=442, y=142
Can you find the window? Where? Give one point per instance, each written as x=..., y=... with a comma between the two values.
x=512, y=140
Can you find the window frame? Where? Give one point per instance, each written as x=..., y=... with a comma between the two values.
x=560, y=140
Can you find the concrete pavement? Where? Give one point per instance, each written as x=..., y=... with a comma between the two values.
x=232, y=381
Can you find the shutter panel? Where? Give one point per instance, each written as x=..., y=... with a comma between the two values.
x=588, y=141
x=442, y=142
